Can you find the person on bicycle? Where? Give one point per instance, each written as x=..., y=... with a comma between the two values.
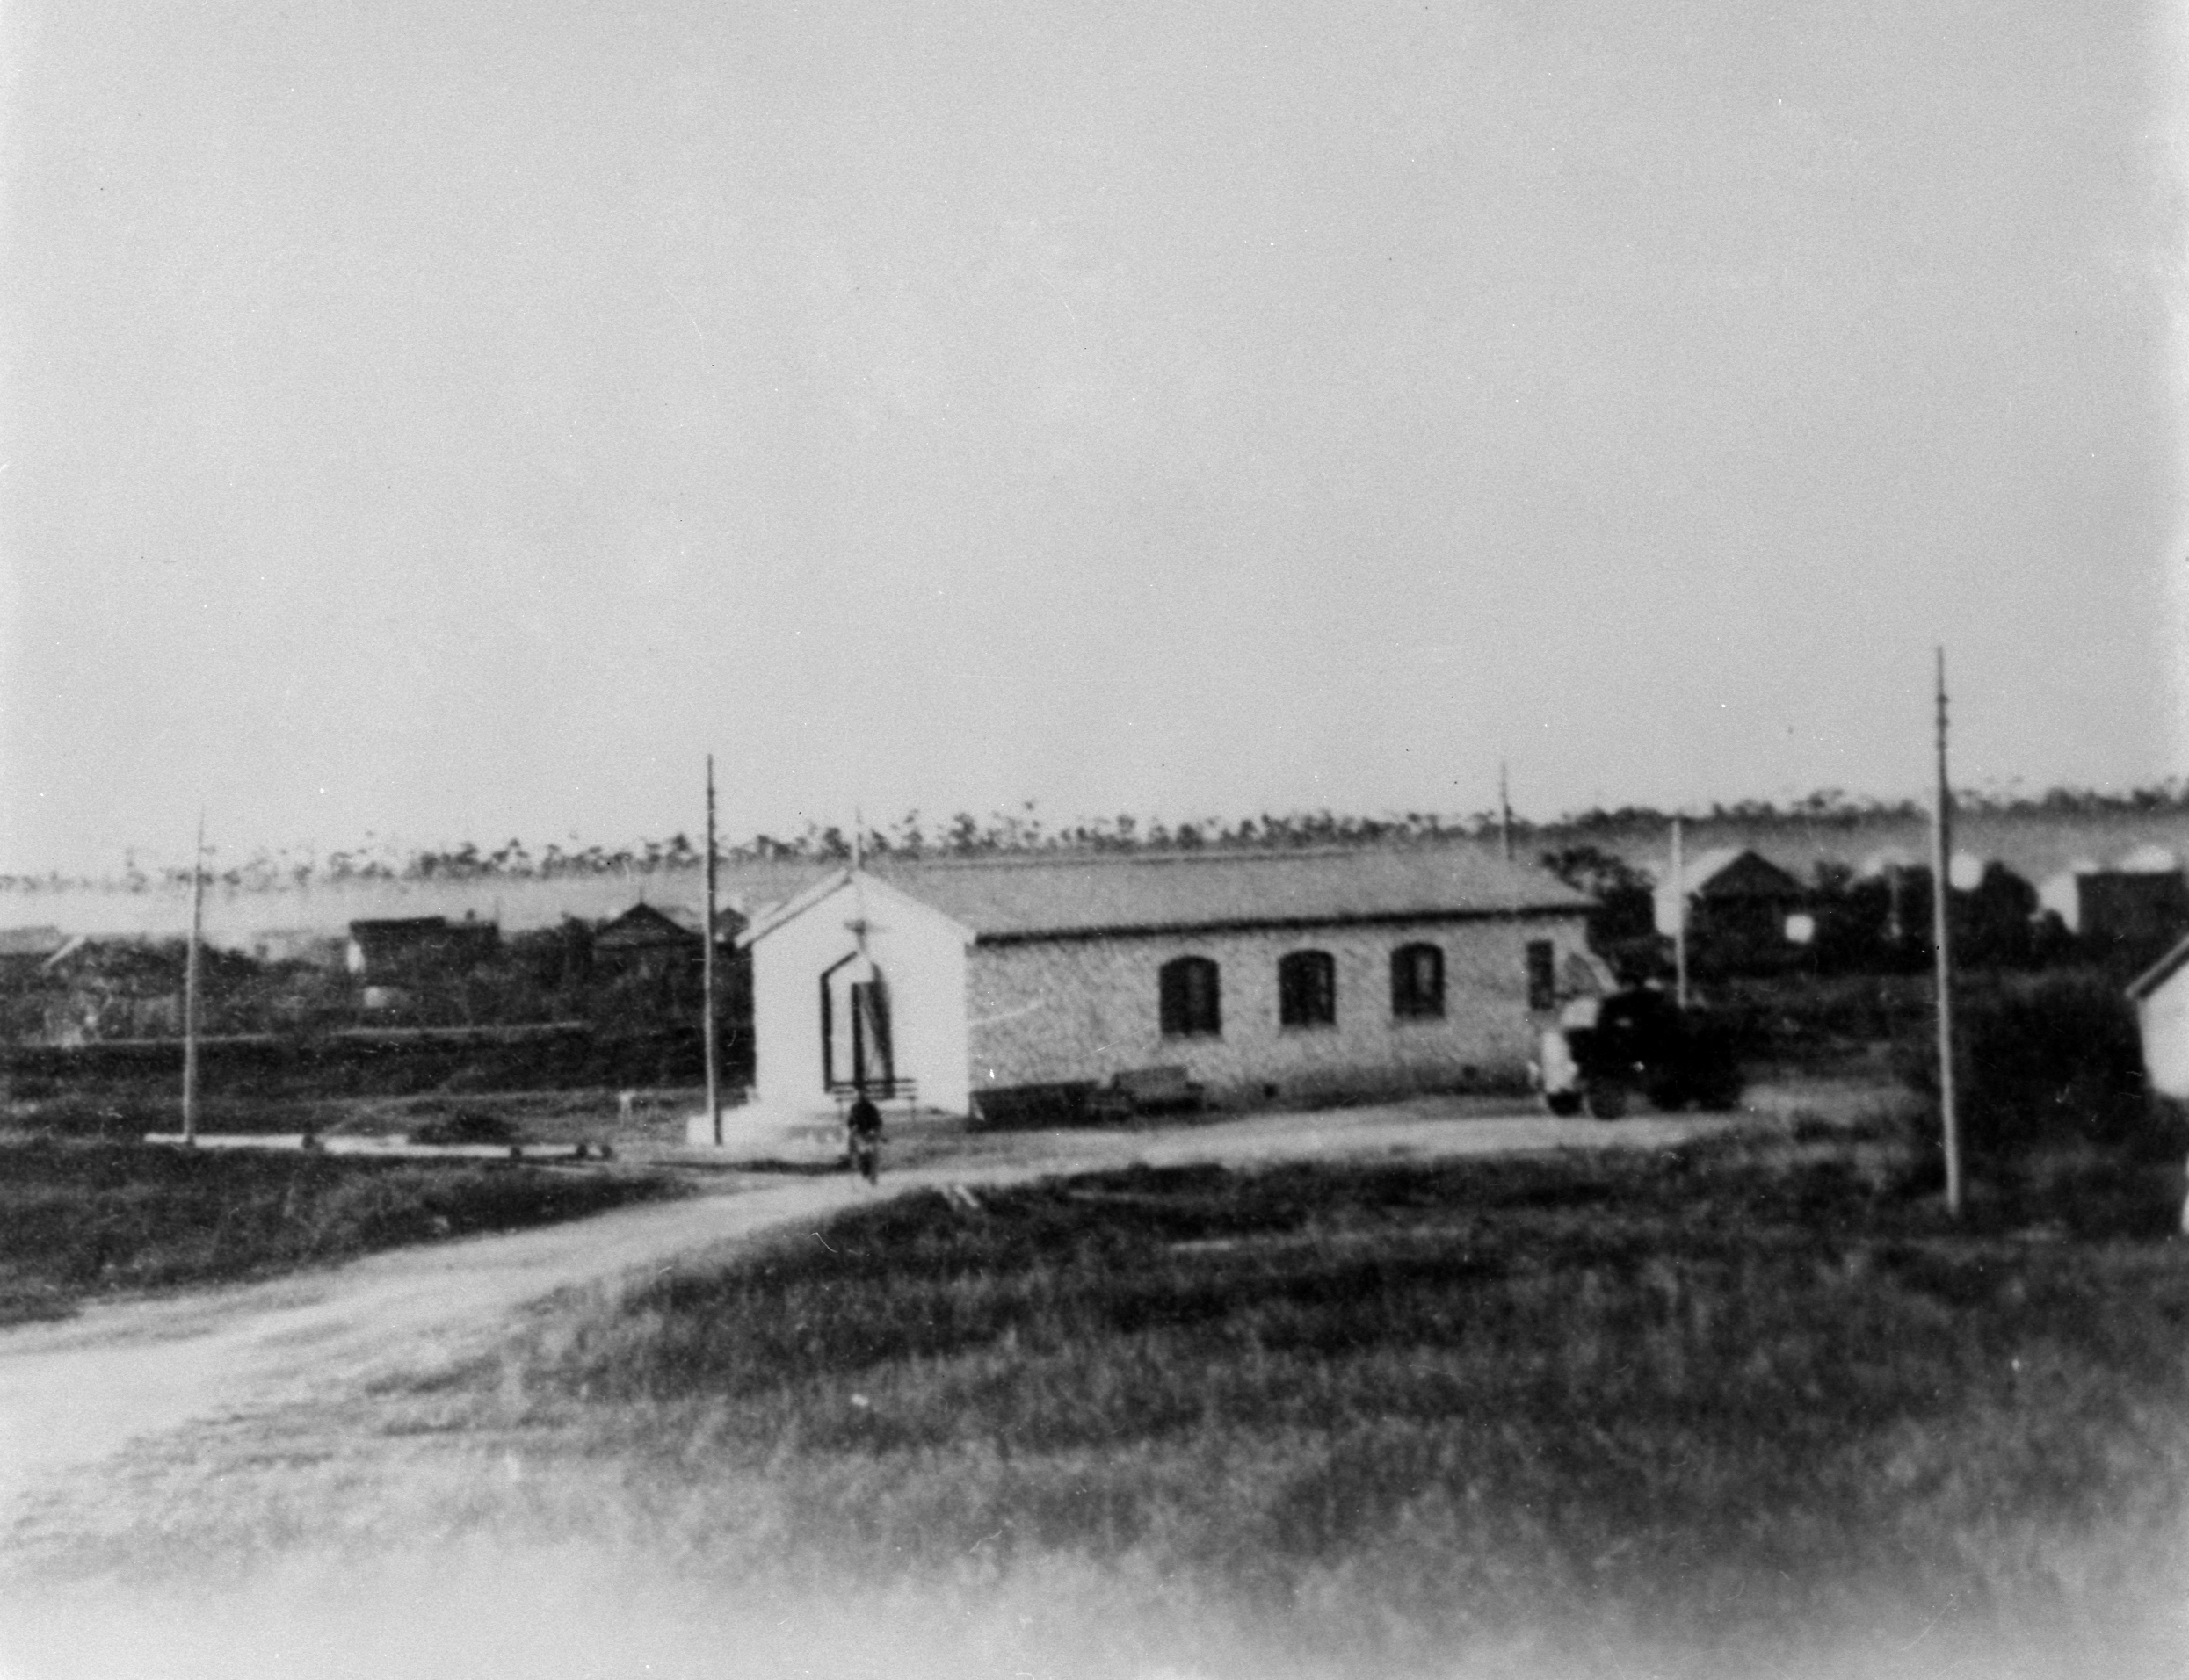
x=862, y=1129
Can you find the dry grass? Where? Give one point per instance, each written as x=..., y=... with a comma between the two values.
x=1738, y=1409
x=79, y=1220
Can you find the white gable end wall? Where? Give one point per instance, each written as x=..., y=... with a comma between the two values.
x=2163, y=1016
x=921, y=954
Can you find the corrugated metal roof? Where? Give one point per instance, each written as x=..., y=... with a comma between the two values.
x=1078, y=895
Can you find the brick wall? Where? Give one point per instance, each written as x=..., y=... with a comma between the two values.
x=1085, y=1009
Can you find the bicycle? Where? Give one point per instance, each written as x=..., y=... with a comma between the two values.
x=862, y=1139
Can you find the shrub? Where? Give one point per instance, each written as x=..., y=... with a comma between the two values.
x=2050, y=1066
x=475, y=1125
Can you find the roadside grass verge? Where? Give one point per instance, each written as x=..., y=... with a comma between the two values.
x=578, y=1115
x=82, y=1219
x=1726, y=1403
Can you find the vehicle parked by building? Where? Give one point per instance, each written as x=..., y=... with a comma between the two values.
x=1605, y=1052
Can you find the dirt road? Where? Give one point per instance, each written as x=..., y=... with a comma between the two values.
x=74, y=1395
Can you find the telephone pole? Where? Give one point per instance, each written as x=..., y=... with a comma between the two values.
x=707, y=977
x=1505, y=812
x=190, y=985
x=1941, y=892
x=1679, y=915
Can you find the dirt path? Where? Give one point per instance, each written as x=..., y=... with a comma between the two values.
x=74, y=1395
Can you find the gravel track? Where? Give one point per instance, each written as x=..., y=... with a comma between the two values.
x=76, y=1394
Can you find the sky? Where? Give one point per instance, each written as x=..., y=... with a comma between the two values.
x=437, y=420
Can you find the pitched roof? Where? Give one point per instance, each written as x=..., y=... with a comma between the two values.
x=643, y=923
x=1736, y=871
x=1008, y=899
x=2160, y=971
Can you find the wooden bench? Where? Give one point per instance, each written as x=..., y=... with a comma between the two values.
x=879, y=1091
x=1011, y=1107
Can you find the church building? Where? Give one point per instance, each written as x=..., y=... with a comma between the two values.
x=1309, y=972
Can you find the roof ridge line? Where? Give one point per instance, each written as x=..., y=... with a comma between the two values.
x=1195, y=855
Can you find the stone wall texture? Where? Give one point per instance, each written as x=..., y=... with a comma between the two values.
x=1056, y=1010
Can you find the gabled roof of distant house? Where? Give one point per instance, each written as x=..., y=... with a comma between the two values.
x=646, y=926
x=76, y=943
x=642, y=925
x=1014, y=899
x=1736, y=871
x=417, y=938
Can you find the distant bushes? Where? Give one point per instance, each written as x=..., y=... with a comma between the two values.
x=464, y=1125
x=2049, y=1066
x=1814, y=1020
x=1023, y=830
x=100, y=1078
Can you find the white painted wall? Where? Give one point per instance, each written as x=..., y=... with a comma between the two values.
x=2164, y=1017
x=2062, y=897
x=922, y=956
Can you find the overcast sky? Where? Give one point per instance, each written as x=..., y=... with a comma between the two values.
x=450, y=420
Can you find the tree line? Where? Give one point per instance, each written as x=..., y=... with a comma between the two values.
x=1024, y=830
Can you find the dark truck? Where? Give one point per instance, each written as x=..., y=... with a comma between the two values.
x=1606, y=1051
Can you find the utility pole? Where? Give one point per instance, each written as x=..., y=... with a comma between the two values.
x=1505, y=812
x=1941, y=891
x=1679, y=915
x=190, y=985
x=707, y=977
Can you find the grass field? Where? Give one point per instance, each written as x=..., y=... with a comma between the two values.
x=1727, y=1406
x=79, y=1219
x=1749, y=1408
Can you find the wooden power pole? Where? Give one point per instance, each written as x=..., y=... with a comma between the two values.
x=1505, y=812
x=1679, y=915
x=1941, y=924
x=190, y=985
x=707, y=977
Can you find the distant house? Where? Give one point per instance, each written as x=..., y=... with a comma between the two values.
x=1737, y=904
x=309, y=946
x=102, y=989
x=1309, y=972
x=650, y=941
x=2124, y=910
x=643, y=936
x=2161, y=995
x=396, y=950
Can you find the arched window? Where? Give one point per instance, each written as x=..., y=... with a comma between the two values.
x=1306, y=989
x=1542, y=958
x=1416, y=982
x=1190, y=1006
